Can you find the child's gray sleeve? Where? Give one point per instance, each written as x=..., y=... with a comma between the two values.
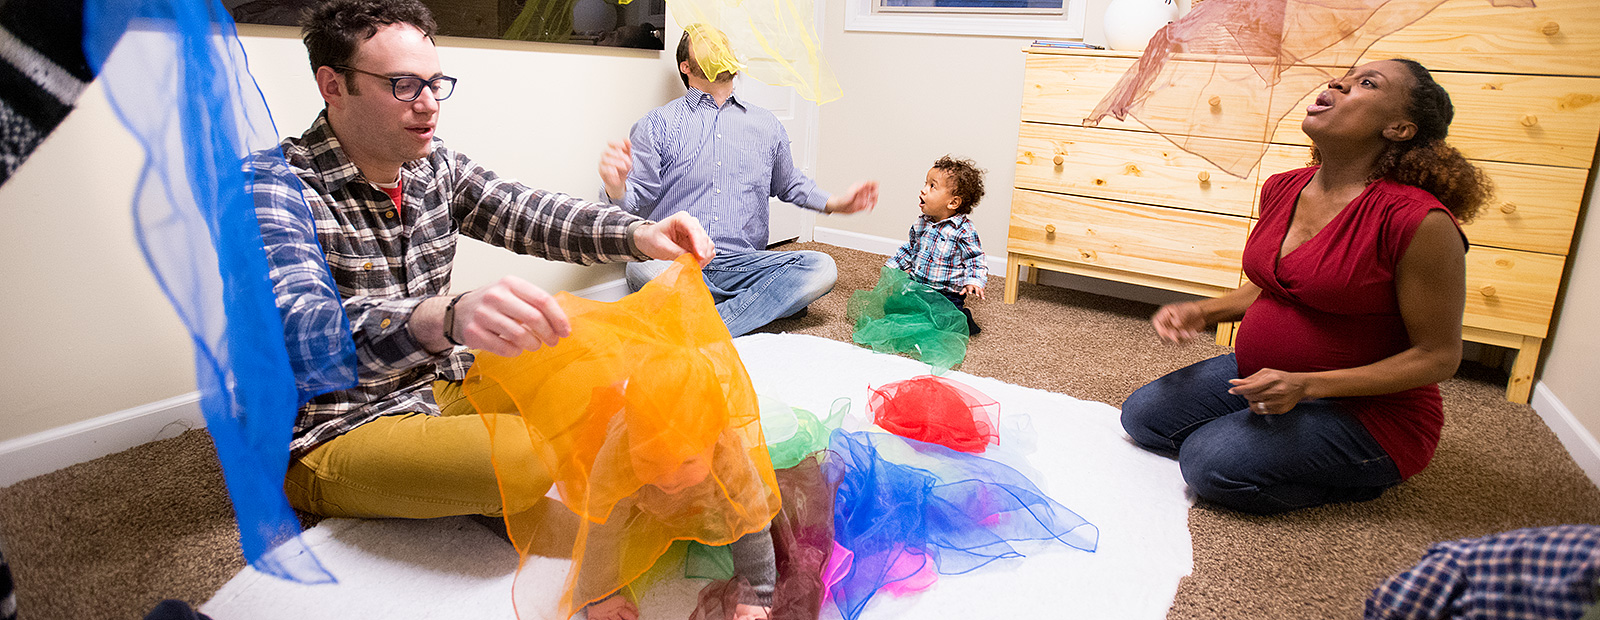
x=754, y=559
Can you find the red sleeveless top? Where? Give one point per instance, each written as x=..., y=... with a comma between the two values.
x=1331, y=304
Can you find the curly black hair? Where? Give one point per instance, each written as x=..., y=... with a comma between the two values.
x=1426, y=161
x=334, y=30
x=968, y=180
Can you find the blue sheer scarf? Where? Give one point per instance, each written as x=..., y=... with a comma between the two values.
x=898, y=496
x=180, y=84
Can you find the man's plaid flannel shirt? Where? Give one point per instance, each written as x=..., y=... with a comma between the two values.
x=945, y=255
x=386, y=261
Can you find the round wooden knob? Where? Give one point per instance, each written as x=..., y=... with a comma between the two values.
x=1049, y=229
x=1508, y=207
x=1215, y=101
x=1060, y=160
x=1529, y=120
x=1488, y=290
x=1205, y=177
x=1550, y=29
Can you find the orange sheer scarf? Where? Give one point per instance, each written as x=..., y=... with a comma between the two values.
x=647, y=424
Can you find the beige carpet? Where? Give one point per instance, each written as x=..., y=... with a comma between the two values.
x=110, y=538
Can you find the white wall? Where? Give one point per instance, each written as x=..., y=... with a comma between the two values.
x=88, y=333
x=1570, y=371
x=910, y=98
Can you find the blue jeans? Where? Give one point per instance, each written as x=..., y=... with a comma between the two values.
x=752, y=289
x=1315, y=454
x=961, y=304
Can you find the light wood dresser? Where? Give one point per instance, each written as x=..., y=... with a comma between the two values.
x=1121, y=203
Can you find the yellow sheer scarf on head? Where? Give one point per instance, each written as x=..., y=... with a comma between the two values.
x=769, y=40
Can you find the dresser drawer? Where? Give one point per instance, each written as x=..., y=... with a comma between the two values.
x=1125, y=165
x=1512, y=291
x=1530, y=119
x=1175, y=244
x=1535, y=208
x=1560, y=37
x=1065, y=89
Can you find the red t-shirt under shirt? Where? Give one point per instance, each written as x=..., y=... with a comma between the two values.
x=1331, y=304
x=394, y=193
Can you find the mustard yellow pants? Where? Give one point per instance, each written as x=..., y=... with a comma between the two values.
x=418, y=466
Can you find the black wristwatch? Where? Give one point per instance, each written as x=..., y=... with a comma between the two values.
x=450, y=320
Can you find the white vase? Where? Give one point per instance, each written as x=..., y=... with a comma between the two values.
x=1130, y=23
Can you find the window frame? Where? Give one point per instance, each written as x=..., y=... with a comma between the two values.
x=867, y=16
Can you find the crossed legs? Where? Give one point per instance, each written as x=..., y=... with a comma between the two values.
x=752, y=289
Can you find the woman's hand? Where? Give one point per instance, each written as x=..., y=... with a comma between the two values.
x=1271, y=392
x=1180, y=322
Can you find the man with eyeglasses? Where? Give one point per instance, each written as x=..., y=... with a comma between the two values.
x=387, y=202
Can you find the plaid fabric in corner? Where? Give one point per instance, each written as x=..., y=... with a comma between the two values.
x=8, y=594
x=42, y=72
x=1530, y=574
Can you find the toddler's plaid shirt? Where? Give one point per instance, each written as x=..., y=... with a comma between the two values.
x=945, y=255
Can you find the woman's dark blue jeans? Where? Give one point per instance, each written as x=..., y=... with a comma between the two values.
x=1315, y=454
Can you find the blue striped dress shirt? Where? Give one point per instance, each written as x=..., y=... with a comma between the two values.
x=719, y=164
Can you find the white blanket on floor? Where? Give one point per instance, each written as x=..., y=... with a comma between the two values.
x=454, y=568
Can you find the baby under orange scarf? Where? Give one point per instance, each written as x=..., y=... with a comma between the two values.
x=646, y=421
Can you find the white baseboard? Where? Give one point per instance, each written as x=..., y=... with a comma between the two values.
x=1583, y=447
x=855, y=241
x=611, y=291
x=44, y=452
x=883, y=245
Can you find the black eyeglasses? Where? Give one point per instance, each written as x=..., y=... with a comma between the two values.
x=409, y=87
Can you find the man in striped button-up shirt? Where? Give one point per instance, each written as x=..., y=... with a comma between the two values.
x=387, y=202
x=719, y=158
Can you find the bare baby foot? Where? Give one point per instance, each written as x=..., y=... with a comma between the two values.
x=751, y=612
